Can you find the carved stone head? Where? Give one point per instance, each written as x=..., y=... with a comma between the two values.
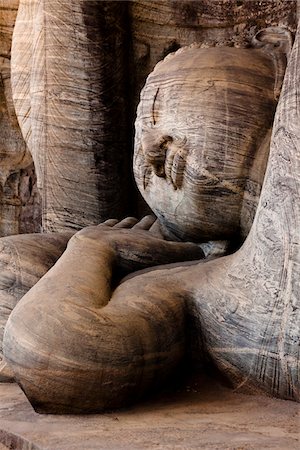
x=202, y=135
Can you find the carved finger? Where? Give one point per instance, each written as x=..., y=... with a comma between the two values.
x=155, y=230
x=129, y=222
x=145, y=223
x=110, y=222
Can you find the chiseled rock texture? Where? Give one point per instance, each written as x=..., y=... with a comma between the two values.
x=24, y=259
x=247, y=305
x=163, y=26
x=19, y=199
x=202, y=136
x=71, y=348
x=75, y=345
x=92, y=93
x=68, y=82
x=8, y=12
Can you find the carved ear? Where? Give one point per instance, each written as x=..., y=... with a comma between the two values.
x=277, y=42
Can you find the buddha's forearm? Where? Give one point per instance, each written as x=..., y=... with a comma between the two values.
x=74, y=350
x=82, y=276
x=74, y=357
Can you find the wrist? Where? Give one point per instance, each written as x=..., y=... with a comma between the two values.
x=89, y=246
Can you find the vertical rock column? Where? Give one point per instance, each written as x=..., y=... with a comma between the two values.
x=68, y=72
x=19, y=200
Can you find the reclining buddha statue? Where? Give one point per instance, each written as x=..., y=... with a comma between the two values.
x=78, y=340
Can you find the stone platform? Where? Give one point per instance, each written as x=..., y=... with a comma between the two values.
x=206, y=416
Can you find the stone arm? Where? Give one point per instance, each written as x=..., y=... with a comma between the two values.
x=24, y=259
x=76, y=346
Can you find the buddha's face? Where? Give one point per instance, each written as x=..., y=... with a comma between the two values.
x=201, y=122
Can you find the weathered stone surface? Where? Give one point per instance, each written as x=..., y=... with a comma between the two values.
x=30, y=215
x=244, y=308
x=72, y=351
x=154, y=29
x=163, y=26
x=247, y=304
x=23, y=261
x=202, y=136
x=68, y=80
x=18, y=196
x=8, y=13
x=141, y=33
x=20, y=209
x=80, y=335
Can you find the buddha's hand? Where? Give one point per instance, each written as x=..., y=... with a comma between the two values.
x=136, y=244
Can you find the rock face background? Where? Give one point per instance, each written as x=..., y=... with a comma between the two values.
x=19, y=198
x=148, y=31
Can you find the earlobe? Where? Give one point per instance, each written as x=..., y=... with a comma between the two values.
x=276, y=42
